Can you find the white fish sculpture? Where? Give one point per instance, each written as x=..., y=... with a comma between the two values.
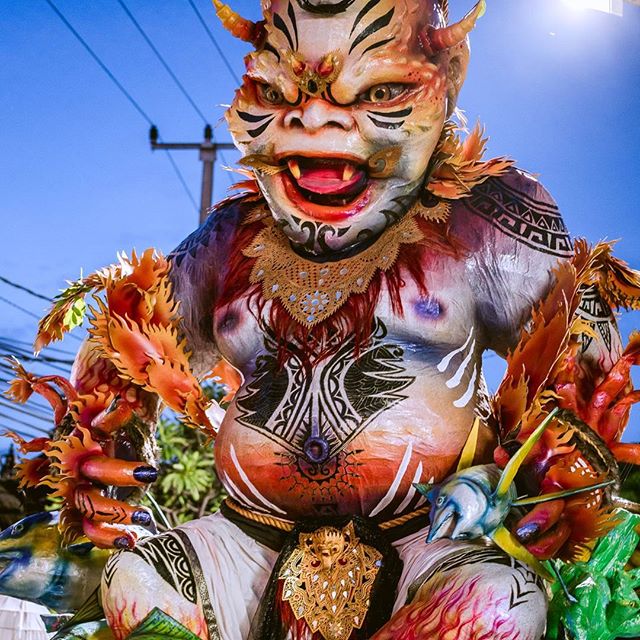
x=475, y=501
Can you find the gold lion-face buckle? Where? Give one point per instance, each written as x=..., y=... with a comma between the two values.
x=328, y=580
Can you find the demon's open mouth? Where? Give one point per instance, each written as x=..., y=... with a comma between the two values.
x=329, y=182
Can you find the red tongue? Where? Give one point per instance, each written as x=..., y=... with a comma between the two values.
x=327, y=179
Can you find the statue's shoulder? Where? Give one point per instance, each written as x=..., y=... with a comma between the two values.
x=214, y=233
x=520, y=207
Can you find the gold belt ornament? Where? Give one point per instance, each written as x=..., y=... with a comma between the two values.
x=328, y=578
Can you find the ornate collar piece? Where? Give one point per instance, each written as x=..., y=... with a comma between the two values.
x=311, y=291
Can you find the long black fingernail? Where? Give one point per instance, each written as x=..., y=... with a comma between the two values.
x=145, y=474
x=528, y=531
x=143, y=518
x=123, y=542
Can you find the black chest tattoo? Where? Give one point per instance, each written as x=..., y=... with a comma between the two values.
x=314, y=412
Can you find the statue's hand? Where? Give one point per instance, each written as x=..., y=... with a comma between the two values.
x=542, y=530
x=105, y=519
x=102, y=469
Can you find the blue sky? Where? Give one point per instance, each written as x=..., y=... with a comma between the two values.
x=557, y=89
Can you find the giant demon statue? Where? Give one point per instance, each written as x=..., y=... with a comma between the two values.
x=371, y=259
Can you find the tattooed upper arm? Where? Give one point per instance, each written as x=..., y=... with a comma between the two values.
x=517, y=237
x=198, y=267
x=599, y=351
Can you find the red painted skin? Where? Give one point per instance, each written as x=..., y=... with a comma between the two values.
x=463, y=603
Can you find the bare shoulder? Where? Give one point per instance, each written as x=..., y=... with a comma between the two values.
x=198, y=267
x=519, y=207
x=214, y=233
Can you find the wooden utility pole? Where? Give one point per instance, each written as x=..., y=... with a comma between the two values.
x=207, y=149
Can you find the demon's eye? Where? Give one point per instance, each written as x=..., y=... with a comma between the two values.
x=440, y=501
x=270, y=94
x=384, y=92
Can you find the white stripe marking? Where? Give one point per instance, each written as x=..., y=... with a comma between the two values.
x=391, y=494
x=237, y=494
x=454, y=381
x=411, y=493
x=444, y=363
x=250, y=484
x=468, y=394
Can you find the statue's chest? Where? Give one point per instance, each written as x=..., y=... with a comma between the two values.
x=430, y=322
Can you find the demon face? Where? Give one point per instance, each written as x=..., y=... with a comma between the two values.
x=341, y=109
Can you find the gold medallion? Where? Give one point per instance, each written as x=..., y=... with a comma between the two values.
x=327, y=580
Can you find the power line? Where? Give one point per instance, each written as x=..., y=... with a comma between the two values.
x=177, y=82
x=17, y=306
x=27, y=356
x=163, y=62
x=30, y=313
x=26, y=412
x=99, y=62
x=15, y=285
x=107, y=71
x=30, y=344
x=22, y=356
x=23, y=423
x=215, y=42
x=182, y=180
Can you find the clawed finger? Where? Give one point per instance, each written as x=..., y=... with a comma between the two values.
x=94, y=506
x=548, y=545
x=118, y=473
x=108, y=536
x=540, y=519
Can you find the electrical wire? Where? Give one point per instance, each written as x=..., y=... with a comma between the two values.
x=175, y=79
x=111, y=76
x=15, y=285
x=21, y=433
x=28, y=358
x=30, y=344
x=163, y=62
x=23, y=423
x=215, y=42
x=182, y=180
x=17, y=306
x=25, y=412
x=39, y=358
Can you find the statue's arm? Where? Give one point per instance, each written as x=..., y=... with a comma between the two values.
x=111, y=481
x=524, y=241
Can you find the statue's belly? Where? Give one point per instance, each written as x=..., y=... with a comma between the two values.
x=291, y=468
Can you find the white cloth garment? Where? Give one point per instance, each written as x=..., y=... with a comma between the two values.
x=20, y=620
x=237, y=568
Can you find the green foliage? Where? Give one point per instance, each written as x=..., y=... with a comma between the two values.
x=74, y=315
x=606, y=604
x=631, y=483
x=188, y=486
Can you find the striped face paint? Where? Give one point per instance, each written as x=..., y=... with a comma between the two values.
x=339, y=113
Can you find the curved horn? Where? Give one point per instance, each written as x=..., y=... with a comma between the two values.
x=234, y=23
x=434, y=40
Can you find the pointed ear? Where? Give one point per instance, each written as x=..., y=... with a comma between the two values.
x=423, y=488
x=457, y=72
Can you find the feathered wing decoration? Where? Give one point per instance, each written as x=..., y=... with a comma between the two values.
x=134, y=326
x=457, y=164
x=579, y=448
x=134, y=351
